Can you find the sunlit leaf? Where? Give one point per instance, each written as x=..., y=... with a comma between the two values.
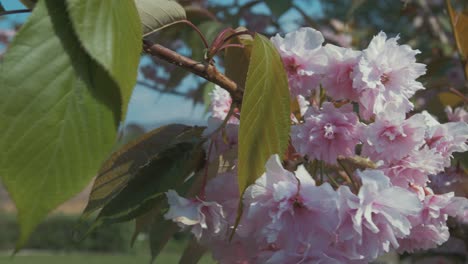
x=155, y=14
x=59, y=113
x=125, y=163
x=459, y=21
x=265, y=114
x=110, y=32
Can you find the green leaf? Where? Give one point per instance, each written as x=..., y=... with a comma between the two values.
x=144, y=221
x=449, y=99
x=110, y=32
x=237, y=59
x=265, y=114
x=160, y=232
x=459, y=21
x=156, y=14
x=123, y=164
x=2, y=9
x=169, y=169
x=193, y=252
x=59, y=113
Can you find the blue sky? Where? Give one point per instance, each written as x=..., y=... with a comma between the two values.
x=150, y=108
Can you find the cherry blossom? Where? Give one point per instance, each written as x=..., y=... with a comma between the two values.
x=458, y=114
x=337, y=78
x=327, y=133
x=387, y=72
x=392, y=137
x=221, y=104
x=379, y=214
x=295, y=216
x=303, y=59
x=194, y=213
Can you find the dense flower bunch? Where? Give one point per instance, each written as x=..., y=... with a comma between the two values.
x=362, y=188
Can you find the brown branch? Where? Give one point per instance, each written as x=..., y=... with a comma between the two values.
x=207, y=71
x=11, y=12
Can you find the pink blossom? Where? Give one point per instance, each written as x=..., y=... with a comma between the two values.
x=448, y=138
x=429, y=227
x=387, y=72
x=220, y=104
x=391, y=137
x=373, y=220
x=458, y=114
x=337, y=78
x=290, y=218
x=221, y=141
x=303, y=59
x=414, y=169
x=200, y=216
x=224, y=190
x=327, y=133
x=452, y=179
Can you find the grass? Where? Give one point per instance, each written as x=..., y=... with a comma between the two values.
x=94, y=259
x=170, y=254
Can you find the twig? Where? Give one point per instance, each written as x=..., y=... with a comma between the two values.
x=206, y=71
x=186, y=22
x=11, y=12
x=306, y=17
x=154, y=87
x=350, y=175
x=458, y=93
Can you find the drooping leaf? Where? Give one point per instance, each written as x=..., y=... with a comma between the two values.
x=110, y=32
x=160, y=232
x=128, y=133
x=237, y=59
x=144, y=221
x=169, y=169
x=459, y=21
x=190, y=188
x=59, y=112
x=125, y=163
x=193, y=252
x=155, y=14
x=265, y=114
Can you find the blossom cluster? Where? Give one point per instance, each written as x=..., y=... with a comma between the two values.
x=323, y=210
